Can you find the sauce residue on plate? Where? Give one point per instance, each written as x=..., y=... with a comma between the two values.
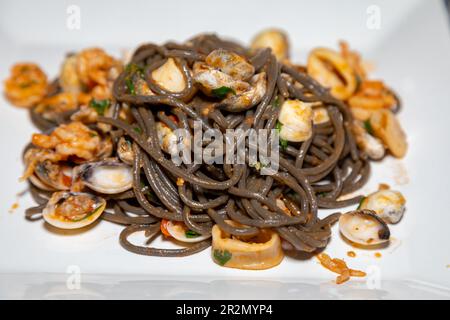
x=351, y=254
x=340, y=267
x=14, y=206
x=377, y=255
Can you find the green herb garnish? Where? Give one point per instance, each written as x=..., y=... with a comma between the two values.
x=87, y=215
x=99, y=105
x=191, y=234
x=283, y=143
x=222, y=257
x=137, y=130
x=130, y=86
x=276, y=102
x=132, y=68
x=360, y=203
x=222, y=92
x=278, y=126
x=368, y=127
x=322, y=194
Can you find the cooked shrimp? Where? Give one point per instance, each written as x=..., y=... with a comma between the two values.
x=26, y=86
x=73, y=139
x=94, y=66
x=331, y=70
x=68, y=77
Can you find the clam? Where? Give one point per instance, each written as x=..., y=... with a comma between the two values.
x=389, y=205
x=125, y=150
x=274, y=39
x=52, y=176
x=364, y=227
x=107, y=176
x=179, y=232
x=73, y=210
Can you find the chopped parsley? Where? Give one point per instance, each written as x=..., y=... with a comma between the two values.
x=137, y=130
x=221, y=92
x=99, y=105
x=276, y=102
x=130, y=86
x=283, y=142
x=132, y=68
x=360, y=203
x=191, y=234
x=368, y=127
x=222, y=257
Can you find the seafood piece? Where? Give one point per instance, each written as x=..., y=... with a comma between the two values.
x=68, y=76
x=354, y=60
x=73, y=210
x=51, y=107
x=296, y=121
x=74, y=139
x=371, y=145
x=55, y=175
x=125, y=150
x=169, y=76
x=230, y=63
x=331, y=70
x=386, y=127
x=107, y=176
x=94, y=66
x=225, y=74
x=389, y=205
x=364, y=227
x=274, y=39
x=320, y=115
x=259, y=252
x=180, y=232
x=249, y=98
x=26, y=86
x=212, y=79
x=372, y=95
x=168, y=139
x=90, y=74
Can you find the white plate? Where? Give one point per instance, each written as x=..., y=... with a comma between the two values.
x=410, y=49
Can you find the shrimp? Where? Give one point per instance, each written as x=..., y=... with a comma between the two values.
x=74, y=139
x=331, y=70
x=90, y=74
x=26, y=86
x=94, y=66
